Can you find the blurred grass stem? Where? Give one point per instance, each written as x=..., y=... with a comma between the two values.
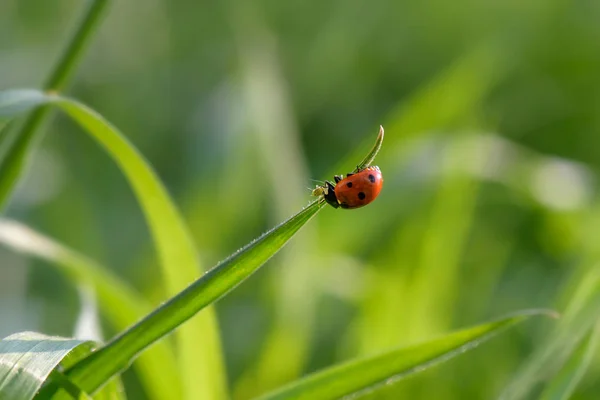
x=20, y=141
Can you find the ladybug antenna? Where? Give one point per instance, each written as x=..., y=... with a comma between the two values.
x=366, y=162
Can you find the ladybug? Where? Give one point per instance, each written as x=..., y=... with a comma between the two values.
x=357, y=189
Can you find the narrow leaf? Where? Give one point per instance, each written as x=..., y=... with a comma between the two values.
x=366, y=374
x=198, y=342
x=28, y=358
x=370, y=157
x=563, y=385
x=551, y=355
x=96, y=369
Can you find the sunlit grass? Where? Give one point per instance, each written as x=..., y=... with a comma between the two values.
x=489, y=202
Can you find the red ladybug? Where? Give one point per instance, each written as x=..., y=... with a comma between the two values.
x=355, y=190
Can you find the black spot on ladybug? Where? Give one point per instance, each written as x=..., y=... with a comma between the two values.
x=371, y=178
x=361, y=195
x=349, y=184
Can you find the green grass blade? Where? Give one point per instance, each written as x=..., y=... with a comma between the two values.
x=550, y=355
x=96, y=369
x=563, y=385
x=366, y=374
x=370, y=157
x=80, y=41
x=27, y=359
x=120, y=304
x=198, y=342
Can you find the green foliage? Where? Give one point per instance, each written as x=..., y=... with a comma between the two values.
x=366, y=374
x=489, y=204
x=120, y=304
x=564, y=384
x=90, y=373
x=563, y=357
x=370, y=157
x=178, y=256
x=115, y=356
x=28, y=358
x=174, y=245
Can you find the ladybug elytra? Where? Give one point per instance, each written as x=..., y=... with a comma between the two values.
x=356, y=190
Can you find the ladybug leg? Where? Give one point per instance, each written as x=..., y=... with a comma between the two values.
x=338, y=178
x=330, y=196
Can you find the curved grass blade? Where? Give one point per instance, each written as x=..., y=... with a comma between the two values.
x=563, y=385
x=120, y=304
x=198, y=343
x=199, y=347
x=366, y=162
x=366, y=374
x=96, y=369
x=28, y=358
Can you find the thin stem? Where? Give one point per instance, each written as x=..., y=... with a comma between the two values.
x=19, y=142
x=79, y=42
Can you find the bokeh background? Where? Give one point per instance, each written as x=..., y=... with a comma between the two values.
x=491, y=161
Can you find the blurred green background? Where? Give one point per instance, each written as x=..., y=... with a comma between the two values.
x=491, y=157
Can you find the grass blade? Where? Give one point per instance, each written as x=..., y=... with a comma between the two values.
x=370, y=157
x=96, y=369
x=118, y=302
x=198, y=342
x=550, y=355
x=366, y=374
x=28, y=358
x=563, y=385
